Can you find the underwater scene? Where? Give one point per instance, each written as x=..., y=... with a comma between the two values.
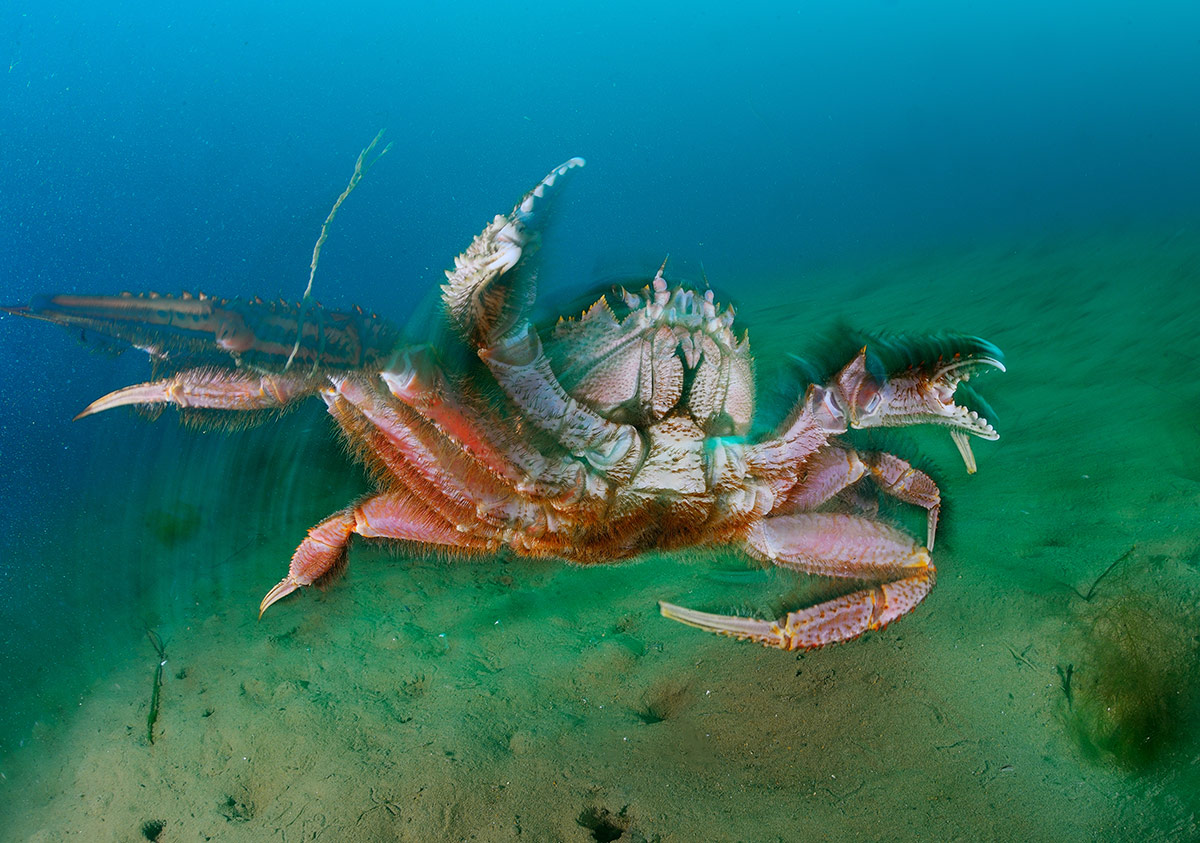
x=353, y=539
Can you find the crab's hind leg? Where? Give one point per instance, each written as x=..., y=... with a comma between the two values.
x=393, y=515
x=835, y=545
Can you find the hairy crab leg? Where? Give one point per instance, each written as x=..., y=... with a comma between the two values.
x=254, y=332
x=823, y=475
x=443, y=470
x=833, y=469
x=833, y=621
x=803, y=434
x=835, y=545
x=898, y=478
x=393, y=515
x=487, y=301
x=416, y=381
x=210, y=388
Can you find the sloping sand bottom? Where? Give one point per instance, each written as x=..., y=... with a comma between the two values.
x=1046, y=690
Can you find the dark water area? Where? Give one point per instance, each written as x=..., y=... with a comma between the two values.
x=1022, y=172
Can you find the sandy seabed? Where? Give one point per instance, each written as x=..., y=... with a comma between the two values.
x=1047, y=689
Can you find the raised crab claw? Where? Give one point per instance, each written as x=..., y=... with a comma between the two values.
x=623, y=430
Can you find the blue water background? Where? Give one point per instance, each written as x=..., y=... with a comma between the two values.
x=199, y=146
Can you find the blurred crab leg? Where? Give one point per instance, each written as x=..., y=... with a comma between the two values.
x=322, y=554
x=487, y=303
x=833, y=469
x=215, y=389
x=836, y=545
x=911, y=485
x=417, y=382
x=523, y=371
x=800, y=437
x=384, y=448
x=823, y=475
x=830, y=622
x=445, y=469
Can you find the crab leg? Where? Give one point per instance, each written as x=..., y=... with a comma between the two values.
x=822, y=476
x=833, y=469
x=322, y=554
x=215, y=389
x=833, y=621
x=834, y=545
x=443, y=472
x=415, y=380
x=899, y=479
x=487, y=301
x=804, y=434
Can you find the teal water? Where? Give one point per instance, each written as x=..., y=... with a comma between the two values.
x=1016, y=173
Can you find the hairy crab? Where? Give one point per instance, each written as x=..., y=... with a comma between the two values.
x=620, y=431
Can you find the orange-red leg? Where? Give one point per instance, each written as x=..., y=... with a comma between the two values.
x=417, y=382
x=322, y=554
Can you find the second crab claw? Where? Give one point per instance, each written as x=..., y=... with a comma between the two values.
x=920, y=390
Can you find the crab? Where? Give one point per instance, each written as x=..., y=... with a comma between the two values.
x=620, y=431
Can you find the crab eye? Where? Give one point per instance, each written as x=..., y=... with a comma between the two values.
x=867, y=398
x=834, y=411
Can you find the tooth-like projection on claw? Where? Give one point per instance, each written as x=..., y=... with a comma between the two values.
x=963, y=443
x=894, y=385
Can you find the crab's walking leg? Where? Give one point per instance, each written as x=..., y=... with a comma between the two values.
x=833, y=469
x=322, y=554
x=213, y=389
x=837, y=545
x=899, y=479
x=414, y=380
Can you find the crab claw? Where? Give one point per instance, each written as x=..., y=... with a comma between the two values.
x=864, y=394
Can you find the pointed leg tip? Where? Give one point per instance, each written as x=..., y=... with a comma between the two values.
x=90, y=409
x=283, y=589
x=676, y=613
x=744, y=629
x=679, y=613
x=140, y=393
